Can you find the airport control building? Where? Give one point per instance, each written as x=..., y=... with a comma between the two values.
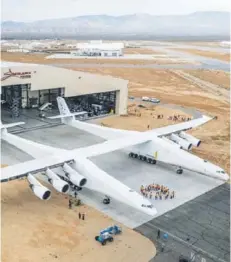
x=34, y=85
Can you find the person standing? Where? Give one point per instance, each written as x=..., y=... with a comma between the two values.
x=79, y=215
x=83, y=216
x=70, y=204
x=75, y=194
x=158, y=233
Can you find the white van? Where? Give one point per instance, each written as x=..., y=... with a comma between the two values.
x=145, y=98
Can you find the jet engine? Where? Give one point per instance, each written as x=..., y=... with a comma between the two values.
x=57, y=183
x=171, y=142
x=184, y=143
x=74, y=176
x=195, y=142
x=39, y=190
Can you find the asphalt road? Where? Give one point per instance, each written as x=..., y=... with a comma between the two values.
x=199, y=228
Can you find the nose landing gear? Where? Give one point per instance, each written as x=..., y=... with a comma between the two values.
x=106, y=200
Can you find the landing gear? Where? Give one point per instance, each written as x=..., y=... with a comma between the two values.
x=143, y=158
x=106, y=200
x=133, y=155
x=179, y=171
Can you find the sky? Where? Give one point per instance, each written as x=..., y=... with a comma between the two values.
x=31, y=10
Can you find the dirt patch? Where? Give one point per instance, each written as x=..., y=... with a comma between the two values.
x=142, y=119
x=210, y=54
x=143, y=51
x=210, y=44
x=35, y=230
x=216, y=77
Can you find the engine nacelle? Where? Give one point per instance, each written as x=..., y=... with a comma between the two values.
x=184, y=143
x=59, y=184
x=171, y=142
x=39, y=190
x=195, y=142
x=74, y=176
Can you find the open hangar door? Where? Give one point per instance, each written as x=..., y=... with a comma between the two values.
x=95, y=104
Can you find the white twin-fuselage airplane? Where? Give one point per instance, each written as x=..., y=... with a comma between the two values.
x=65, y=168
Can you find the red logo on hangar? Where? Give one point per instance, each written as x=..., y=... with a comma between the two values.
x=16, y=74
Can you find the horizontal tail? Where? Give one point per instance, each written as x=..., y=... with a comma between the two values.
x=68, y=115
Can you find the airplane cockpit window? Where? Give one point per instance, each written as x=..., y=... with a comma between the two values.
x=220, y=171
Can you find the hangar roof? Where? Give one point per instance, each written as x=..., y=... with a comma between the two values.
x=5, y=64
x=48, y=77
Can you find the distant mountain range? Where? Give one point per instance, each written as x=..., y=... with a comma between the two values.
x=195, y=24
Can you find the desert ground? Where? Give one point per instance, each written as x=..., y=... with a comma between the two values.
x=49, y=231
x=210, y=54
x=216, y=77
x=202, y=43
x=143, y=51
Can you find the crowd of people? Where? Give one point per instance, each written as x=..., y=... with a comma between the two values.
x=157, y=192
x=179, y=118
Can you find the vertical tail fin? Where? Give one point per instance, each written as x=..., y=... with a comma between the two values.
x=63, y=108
x=66, y=116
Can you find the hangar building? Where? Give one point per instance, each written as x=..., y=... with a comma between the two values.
x=34, y=85
x=98, y=48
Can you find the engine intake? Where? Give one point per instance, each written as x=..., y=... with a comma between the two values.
x=56, y=182
x=38, y=189
x=74, y=176
x=184, y=143
x=195, y=142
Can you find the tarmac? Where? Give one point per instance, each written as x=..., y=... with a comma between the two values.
x=199, y=229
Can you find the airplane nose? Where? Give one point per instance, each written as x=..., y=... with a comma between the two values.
x=226, y=176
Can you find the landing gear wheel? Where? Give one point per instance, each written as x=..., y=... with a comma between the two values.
x=106, y=201
x=110, y=239
x=179, y=171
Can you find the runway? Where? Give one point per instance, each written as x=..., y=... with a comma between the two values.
x=132, y=172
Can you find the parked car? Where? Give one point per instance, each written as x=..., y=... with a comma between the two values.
x=154, y=100
x=131, y=97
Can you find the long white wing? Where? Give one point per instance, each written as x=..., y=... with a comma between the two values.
x=113, y=145
x=55, y=160
x=68, y=115
x=33, y=166
x=163, y=131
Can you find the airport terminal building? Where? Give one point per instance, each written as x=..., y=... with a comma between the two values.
x=34, y=85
